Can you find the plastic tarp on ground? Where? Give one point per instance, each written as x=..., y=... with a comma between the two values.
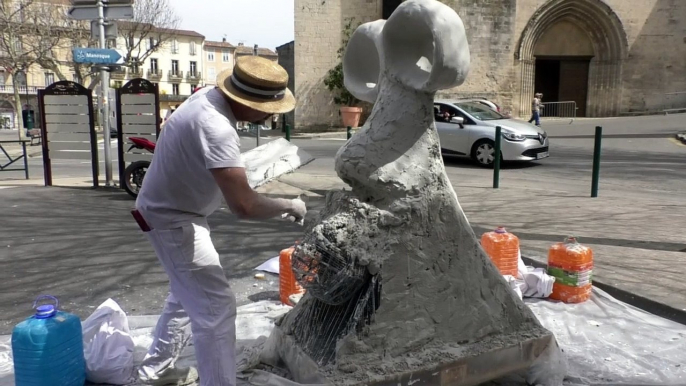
x=273, y=159
x=606, y=342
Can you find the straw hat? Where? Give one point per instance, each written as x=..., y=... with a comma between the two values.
x=258, y=83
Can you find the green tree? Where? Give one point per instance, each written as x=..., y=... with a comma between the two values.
x=334, y=78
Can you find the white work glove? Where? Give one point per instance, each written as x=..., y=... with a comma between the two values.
x=297, y=212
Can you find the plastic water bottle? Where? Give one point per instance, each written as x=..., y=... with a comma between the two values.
x=288, y=285
x=572, y=266
x=503, y=249
x=48, y=348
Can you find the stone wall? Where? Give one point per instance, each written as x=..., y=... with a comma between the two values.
x=318, y=30
x=287, y=60
x=654, y=72
x=634, y=70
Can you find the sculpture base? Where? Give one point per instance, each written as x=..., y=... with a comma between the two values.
x=434, y=365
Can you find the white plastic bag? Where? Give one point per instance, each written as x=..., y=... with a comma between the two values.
x=108, y=346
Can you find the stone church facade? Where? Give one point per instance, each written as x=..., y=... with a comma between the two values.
x=612, y=57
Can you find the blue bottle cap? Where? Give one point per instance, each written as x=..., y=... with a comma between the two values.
x=45, y=311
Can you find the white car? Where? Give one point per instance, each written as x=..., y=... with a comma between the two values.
x=467, y=128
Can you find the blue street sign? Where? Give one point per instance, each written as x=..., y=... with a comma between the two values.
x=97, y=56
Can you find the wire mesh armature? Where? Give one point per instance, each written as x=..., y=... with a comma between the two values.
x=317, y=326
x=327, y=272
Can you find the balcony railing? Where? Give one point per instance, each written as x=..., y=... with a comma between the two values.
x=23, y=90
x=118, y=75
x=194, y=75
x=154, y=74
x=175, y=75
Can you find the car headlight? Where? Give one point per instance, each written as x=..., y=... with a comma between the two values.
x=513, y=136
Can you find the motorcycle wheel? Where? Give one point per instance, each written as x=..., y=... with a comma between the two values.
x=133, y=177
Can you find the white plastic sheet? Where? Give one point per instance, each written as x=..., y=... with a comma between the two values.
x=273, y=159
x=605, y=341
x=108, y=346
x=271, y=265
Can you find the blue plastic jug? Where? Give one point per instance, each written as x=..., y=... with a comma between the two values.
x=48, y=348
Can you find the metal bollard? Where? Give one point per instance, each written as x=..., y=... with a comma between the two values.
x=350, y=132
x=288, y=133
x=496, y=157
x=596, y=160
x=257, y=131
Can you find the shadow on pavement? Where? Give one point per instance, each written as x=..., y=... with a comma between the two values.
x=83, y=246
x=468, y=163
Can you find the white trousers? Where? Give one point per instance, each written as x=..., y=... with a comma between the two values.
x=200, y=296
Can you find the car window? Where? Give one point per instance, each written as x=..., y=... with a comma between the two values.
x=480, y=111
x=443, y=113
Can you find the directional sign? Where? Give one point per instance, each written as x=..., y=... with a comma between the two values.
x=112, y=12
x=97, y=56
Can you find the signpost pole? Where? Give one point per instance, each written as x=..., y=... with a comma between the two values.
x=104, y=114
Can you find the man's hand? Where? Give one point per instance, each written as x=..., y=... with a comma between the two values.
x=297, y=212
x=246, y=203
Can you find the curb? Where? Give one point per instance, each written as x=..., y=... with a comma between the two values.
x=682, y=138
x=645, y=304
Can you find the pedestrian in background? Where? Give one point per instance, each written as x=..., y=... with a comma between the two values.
x=536, y=107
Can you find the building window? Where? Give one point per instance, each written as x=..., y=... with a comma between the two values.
x=21, y=79
x=194, y=69
x=111, y=43
x=175, y=67
x=17, y=45
x=152, y=43
x=2, y=78
x=226, y=56
x=210, y=56
x=175, y=46
x=153, y=66
x=49, y=78
x=118, y=84
x=192, y=48
x=193, y=87
x=175, y=89
x=211, y=74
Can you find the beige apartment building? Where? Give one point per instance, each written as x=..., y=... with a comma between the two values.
x=219, y=56
x=609, y=57
x=184, y=61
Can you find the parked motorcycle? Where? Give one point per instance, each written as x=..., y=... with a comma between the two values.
x=135, y=172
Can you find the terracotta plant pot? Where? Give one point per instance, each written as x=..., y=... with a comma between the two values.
x=351, y=116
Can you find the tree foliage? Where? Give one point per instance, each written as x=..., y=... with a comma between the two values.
x=30, y=30
x=153, y=26
x=334, y=80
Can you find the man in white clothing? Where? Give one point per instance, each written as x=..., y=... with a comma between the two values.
x=197, y=162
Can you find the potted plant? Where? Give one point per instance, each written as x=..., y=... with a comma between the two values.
x=349, y=109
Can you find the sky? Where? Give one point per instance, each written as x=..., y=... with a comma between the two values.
x=267, y=23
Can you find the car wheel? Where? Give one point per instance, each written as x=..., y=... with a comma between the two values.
x=483, y=152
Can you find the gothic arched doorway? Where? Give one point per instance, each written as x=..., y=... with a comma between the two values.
x=388, y=6
x=575, y=49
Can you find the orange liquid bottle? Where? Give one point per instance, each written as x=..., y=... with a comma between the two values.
x=503, y=249
x=572, y=266
x=287, y=284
